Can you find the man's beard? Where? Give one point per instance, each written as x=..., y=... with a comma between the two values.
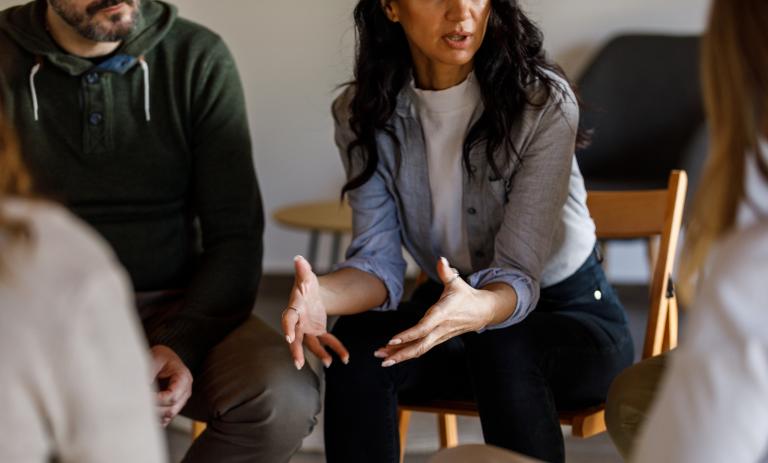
x=114, y=29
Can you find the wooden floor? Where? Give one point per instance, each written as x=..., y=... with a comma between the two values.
x=422, y=440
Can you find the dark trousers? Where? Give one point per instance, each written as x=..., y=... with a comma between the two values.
x=563, y=356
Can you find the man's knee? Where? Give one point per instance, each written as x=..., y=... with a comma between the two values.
x=251, y=383
x=282, y=403
x=629, y=401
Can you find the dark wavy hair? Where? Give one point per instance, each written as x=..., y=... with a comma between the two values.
x=510, y=59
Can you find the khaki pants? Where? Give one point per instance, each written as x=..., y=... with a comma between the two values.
x=257, y=405
x=630, y=399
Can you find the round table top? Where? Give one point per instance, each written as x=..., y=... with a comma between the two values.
x=328, y=216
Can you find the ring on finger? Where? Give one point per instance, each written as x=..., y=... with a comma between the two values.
x=296, y=309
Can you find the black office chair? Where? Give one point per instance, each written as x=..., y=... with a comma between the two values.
x=642, y=98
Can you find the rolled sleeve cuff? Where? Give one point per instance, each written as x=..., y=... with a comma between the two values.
x=524, y=286
x=392, y=282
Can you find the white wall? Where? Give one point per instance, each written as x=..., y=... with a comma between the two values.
x=292, y=53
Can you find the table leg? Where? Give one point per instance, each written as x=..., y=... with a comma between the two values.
x=335, y=257
x=314, y=236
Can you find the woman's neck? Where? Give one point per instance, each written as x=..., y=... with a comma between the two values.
x=432, y=75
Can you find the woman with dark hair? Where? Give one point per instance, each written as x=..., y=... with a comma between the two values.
x=458, y=139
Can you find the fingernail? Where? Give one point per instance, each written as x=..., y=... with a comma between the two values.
x=297, y=258
x=289, y=339
x=380, y=354
x=345, y=360
x=327, y=363
x=298, y=365
x=388, y=363
x=395, y=342
x=444, y=260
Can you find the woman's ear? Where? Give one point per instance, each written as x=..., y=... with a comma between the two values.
x=390, y=9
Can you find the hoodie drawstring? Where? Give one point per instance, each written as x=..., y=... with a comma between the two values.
x=145, y=70
x=32, y=89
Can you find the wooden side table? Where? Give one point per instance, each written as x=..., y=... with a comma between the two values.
x=318, y=217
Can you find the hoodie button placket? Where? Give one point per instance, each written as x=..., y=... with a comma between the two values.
x=92, y=78
x=97, y=111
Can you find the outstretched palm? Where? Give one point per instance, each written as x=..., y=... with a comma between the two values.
x=305, y=319
x=305, y=302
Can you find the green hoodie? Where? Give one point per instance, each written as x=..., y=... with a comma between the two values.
x=148, y=146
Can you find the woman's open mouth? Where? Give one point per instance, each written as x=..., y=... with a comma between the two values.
x=458, y=40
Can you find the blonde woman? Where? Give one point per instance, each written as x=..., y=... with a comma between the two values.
x=712, y=404
x=74, y=379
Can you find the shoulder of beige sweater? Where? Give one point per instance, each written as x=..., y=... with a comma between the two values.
x=734, y=285
x=62, y=247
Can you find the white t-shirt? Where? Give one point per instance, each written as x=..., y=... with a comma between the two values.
x=712, y=404
x=74, y=372
x=445, y=117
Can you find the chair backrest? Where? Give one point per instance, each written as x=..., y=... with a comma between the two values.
x=642, y=100
x=647, y=214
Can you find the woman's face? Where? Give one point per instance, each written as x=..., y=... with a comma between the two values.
x=448, y=32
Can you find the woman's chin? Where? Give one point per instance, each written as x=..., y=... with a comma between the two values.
x=455, y=57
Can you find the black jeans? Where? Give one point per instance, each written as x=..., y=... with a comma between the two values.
x=563, y=356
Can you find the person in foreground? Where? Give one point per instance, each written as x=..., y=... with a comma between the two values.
x=135, y=119
x=458, y=139
x=706, y=401
x=74, y=377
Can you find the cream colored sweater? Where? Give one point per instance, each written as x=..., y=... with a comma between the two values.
x=74, y=375
x=712, y=405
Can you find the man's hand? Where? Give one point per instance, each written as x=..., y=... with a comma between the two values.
x=461, y=309
x=174, y=382
x=304, y=320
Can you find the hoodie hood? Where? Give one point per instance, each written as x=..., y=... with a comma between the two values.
x=25, y=25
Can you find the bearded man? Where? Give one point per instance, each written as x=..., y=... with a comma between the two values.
x=135, y=119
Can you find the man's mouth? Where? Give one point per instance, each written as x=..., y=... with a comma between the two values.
x=107, y=6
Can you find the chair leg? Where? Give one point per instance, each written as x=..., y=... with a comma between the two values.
x=198, y=427
x=403, y=421
x=589, y=426
x=671, y=329
x=449, y=430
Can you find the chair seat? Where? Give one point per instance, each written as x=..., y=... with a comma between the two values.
x=585, y=423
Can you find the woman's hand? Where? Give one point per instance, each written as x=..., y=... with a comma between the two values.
x=305, y=319
x=461, y=309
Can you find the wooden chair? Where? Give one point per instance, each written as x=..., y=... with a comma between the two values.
x=198, y=427
x=617, y=215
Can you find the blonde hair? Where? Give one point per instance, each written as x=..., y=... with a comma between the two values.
x=14, y=182
x=735, y=79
